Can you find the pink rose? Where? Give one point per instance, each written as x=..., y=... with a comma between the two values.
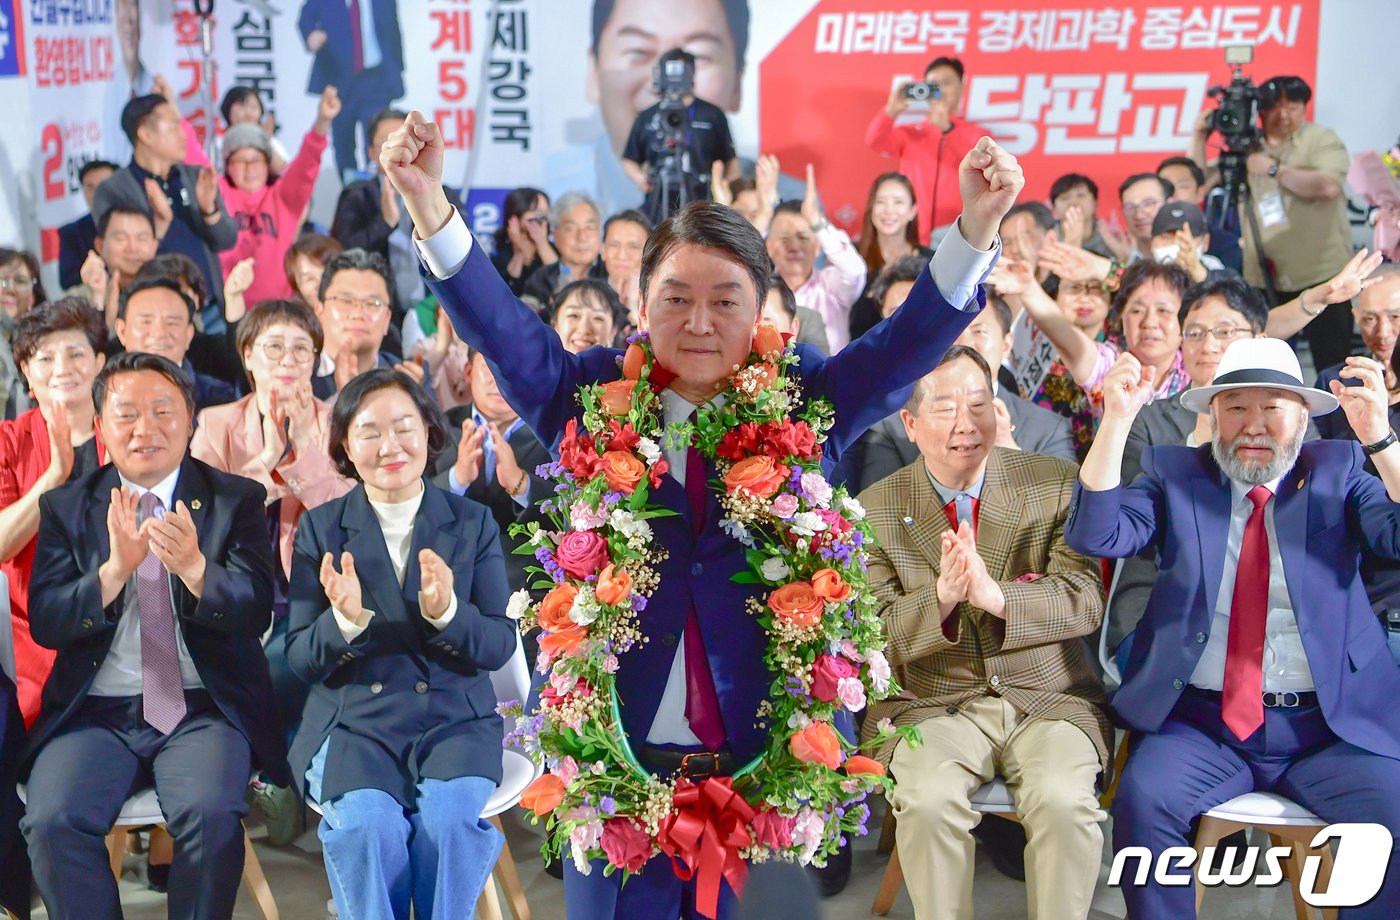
x=851, y=693
x=566, y=769
x=785, y=505
x=772, y=830
x=627, y=846
x=581, y=553
x=827, y=672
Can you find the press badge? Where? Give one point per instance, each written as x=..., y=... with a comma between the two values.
x=1271, y=210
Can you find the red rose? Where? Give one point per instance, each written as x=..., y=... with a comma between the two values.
x=626, y=845
x=581, y=553
x=738, y=443
x=772, y=830
x=836, y=528
x=827, y=670
x=795, y=439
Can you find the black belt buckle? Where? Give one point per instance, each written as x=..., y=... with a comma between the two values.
x=1286, y=699
x=700, y=765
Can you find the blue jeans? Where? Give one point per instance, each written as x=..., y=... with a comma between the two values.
x=379, y=857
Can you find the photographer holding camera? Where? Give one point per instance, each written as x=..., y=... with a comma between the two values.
x=674, y=144
x=1294, y=171
x=928, y=151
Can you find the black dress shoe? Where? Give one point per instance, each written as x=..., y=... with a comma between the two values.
x=831, y=879
x=1004, y=842
x=158, y=877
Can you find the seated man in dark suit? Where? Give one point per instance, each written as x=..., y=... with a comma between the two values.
x=1021, y=425
x=153, y=580
x=354, y=315
x=75, y=239
x=156, y=317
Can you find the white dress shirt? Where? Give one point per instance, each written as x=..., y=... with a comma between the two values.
x=396, y=523
x=1285, y=660
x=120, y=673
x=957, y=269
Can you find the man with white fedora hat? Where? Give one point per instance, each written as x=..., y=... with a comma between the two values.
x=1258, y=663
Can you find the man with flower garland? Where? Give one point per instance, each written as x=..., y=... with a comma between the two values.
x=690, y=696
x=984, y=607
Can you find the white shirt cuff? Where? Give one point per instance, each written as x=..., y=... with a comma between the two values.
x=348, y=629
x=958, y=269
x=441, y=622
x=446, y=251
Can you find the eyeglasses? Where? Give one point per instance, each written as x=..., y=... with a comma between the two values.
x=537, y=220
x=16, y=281
x=1081, y=287
x=276, y=351
x=1195, y=334
x=351, y=305
x=1147, y=204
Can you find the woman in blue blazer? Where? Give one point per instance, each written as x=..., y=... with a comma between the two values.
x=398, y=593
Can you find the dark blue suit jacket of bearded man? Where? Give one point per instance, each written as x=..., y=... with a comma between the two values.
x=866, y=381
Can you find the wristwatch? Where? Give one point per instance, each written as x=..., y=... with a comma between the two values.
x=212, y=212
x=1380, y=445
x=1273, y=169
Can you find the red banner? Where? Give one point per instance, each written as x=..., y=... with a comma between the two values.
x=1106, y=91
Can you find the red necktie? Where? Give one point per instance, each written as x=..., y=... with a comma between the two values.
x=701, y=701
x=357, y=42
x=951, y=509
x=1242, y=703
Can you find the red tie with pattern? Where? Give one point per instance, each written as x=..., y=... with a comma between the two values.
x=357, y=43
x=701, y=701
x=1242, y=702
x=951, y=509
x=162, y=686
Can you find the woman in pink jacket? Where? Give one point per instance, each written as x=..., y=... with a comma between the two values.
x=269, y=209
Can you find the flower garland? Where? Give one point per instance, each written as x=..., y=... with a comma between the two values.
x=805, y=542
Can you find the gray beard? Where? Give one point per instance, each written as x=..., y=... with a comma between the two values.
x=1253, y=472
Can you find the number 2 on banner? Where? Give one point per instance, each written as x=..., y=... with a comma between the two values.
x=52, y=145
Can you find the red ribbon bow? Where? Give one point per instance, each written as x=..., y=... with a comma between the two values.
x=707, y=827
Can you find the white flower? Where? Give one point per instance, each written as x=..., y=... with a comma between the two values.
x=519, y=603
x=774, y=569
x=539, y=537
x=817, y=489
x=585, y=609
x=626, y=524
x=884, y=725
x=650, y=451
x=798, y=720
x=807, y=524
x=879, y=671
x=852, y=508
x=736, y=530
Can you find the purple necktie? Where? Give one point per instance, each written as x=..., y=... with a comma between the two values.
x=162, y=686
x=357, y=45
x=701, y=701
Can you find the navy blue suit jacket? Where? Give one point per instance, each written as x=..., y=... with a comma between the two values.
x=404, y=701
x=1326, y=511
x=222, y=628
x=868, y=380
x=332, y=65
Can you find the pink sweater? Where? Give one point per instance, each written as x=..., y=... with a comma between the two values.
x=268, y=220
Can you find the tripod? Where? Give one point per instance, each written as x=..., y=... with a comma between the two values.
x=1239, y=198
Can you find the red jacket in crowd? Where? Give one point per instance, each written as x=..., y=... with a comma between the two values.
x=929, y=158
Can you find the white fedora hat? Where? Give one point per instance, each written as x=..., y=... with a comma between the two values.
x=1263, y=364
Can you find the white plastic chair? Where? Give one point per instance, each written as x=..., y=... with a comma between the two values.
x=518, y=771
x=143, y=810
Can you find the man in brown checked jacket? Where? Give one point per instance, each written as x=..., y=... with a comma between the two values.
x=984, y=622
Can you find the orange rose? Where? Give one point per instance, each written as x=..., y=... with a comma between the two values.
x=623, y=470
x=554, y=609
x=633, y=361
x=830, y=586
x=564, y=643
x=816, y=744
x=767, y=340
x=796, y=604
x=617, y=397
x=613, y=586
x=859, y=763
x=543, y=795
x=760, y=475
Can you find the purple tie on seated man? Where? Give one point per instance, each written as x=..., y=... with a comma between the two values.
x=1258, y=663
x=703, y=280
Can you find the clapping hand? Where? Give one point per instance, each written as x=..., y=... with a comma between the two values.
x=508, y=471
x=981, y=590
x=719, y=186
x=343, y=588
x=127, y=543
x=60, y=445
x=952, y=574
x=94, y=275
x=990, y=179
x=1127, y=387
x=1073, y=226
x=811, y=207
x=1071, y=262
x=1366, y=403
x=1011, y=277
x=347, y=366
x=1006, y=432
x=469, y=453
x=435, y=584
x=206, y=193
x=175, y=542
x=161, y=213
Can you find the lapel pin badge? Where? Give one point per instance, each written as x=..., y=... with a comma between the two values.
x=908, y=520
x=1300, y=483
x=194, y=505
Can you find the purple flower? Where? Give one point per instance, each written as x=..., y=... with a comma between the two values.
x=639, y=602
x=608, y=806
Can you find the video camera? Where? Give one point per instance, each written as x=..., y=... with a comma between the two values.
x=675, y=179
x=674, y=79
x=1236, y=119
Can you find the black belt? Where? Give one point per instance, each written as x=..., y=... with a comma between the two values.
x=690, y=764
x=1283, y=699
